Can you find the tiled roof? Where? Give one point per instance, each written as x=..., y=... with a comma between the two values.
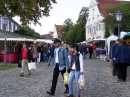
x=58, y=28
x=46, y=36
x=103, y=4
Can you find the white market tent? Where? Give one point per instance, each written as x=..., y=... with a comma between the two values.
x=44, y=40
x=122, y=34
x=108, y=40
x=25, y=39
x=99, y=39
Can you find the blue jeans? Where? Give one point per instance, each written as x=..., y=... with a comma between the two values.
x=45, y=59
x=50, y=59
x=74, y=74
x=84, y=55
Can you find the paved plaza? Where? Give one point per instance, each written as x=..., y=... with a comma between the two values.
x=98, y=78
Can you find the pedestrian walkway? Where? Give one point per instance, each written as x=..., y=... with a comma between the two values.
x=98, y=77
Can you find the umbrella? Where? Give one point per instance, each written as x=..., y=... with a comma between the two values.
x=127, y=36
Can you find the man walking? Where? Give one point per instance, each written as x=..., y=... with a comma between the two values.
x=24, y=57
x=61, y=64
x=114, y=47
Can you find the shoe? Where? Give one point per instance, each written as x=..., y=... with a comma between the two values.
x=114, y=74
x=69, y=96
x=66, y=91
x=48, y=92
x=123, y=80
x=119, y=80
x=22, y=75
x=29, y=73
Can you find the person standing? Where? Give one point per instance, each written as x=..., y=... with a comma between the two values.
x=61, y=64
x=114, y=47
x=90, y=51
x=45, y=52
x=39, y=49
x=122, y=60
x=24, y=57
x=51, y=56
x=76, y=69
x=94, y=50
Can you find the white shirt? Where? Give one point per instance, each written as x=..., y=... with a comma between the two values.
x=81, y=63
x=57, y=60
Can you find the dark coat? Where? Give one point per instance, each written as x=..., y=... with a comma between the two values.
x=114, y=46
x=122, y=55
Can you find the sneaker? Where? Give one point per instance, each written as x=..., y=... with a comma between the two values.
x=50, y=93
x=22, y=75
x=66, y=91
x=119, y=80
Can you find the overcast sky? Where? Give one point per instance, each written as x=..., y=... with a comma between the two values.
x=61, y=11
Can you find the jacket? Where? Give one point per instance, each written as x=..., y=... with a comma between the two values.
x=113, y=49
x=62, y=57
x=75, y=58
x=122, y=55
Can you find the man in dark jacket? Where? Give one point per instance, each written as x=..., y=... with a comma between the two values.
x=114, y=47
x=122, y=60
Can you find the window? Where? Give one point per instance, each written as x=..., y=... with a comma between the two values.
x=14, y=27
x=93, y=19
x=9, y=25
x=97, y=17
x=99, y=27
x=88, y=30
x=93, y=12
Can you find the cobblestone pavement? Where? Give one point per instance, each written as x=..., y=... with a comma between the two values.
x=99, y=82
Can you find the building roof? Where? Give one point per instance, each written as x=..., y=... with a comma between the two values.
x=46, y=36
x=58, y=29
x=103, y=4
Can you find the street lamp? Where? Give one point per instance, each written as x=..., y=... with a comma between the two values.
x=118, y=18
x=5, y=22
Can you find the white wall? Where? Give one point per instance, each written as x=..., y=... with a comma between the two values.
x=55, y=33
x=94, y=25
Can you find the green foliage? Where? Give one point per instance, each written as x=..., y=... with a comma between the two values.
x=28, y=10
x=107, y=33
x=25, y=30
x=125, y=10
x=76, y=33
x=67, y=24
x=7, y=67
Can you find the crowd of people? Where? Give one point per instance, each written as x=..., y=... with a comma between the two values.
x=70, y=58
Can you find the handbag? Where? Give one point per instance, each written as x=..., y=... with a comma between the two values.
x=32, y=65
x=66, y=77
x=19, y=65
x=81, y=82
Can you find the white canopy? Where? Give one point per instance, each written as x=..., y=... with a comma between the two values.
x=44, y=40
x=98, y=39
x=122, y=34
x=111, y=38
x=25, y=39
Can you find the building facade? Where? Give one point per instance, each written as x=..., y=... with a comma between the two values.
x=11, y=25
x=95, y=28
x=57, y=31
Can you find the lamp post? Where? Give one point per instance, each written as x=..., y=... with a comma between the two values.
x=118, y=18
x=5, y=22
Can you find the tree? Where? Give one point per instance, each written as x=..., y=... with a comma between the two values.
x=110, y=21
x=67, y=24
x=25, y=30
x=76, y=33
x=28, y=10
